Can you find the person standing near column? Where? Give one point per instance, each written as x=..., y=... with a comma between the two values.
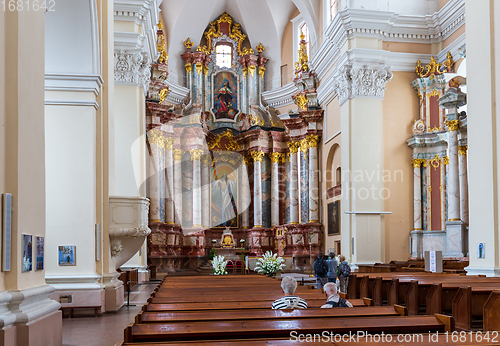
x=344, y=273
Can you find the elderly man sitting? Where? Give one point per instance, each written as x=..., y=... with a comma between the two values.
x=333, y=299
x=289, y=301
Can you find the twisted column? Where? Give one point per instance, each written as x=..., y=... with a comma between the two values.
x=257, y=188
x=294, y=184
x=312, y=141
x=178, y=185
x=195, y=158
x=275, y=159
x=453, y=182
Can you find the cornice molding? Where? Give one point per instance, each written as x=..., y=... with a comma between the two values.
x=386, y=26
x=73, y=82
x=177, y=93
x=280, y=97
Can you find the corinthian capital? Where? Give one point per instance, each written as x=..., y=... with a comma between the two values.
x=351, y=82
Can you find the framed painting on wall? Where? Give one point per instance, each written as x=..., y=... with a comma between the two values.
x=334, y=218
x=39, y=253
x=67, y=255
x=27, y=253
x=225, y=96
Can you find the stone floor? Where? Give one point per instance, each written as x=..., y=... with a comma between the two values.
x=107, y=329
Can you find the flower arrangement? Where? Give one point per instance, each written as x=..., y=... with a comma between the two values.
x=270, y=263
x=219, y=265
x=242, y=242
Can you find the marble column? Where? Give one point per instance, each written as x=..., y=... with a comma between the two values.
x=245, y=193
x=294, y=184
x=178, y=185
x=196, y=158
x=304, y=181
x=169, y=185
x=205, y=191
x=154, y=183
x=417, y=194
x=464, y=184
x=313, y=179
x=275, y=204
x=257, y=188
x=453, y=182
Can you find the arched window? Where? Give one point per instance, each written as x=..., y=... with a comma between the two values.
x=224, y=55
x=333, y=9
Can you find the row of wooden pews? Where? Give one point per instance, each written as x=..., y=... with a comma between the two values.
x=471, y=300
x=456, y=267
x=236, y=310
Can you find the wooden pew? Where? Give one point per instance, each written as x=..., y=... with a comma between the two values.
x=491, y=317
x=266, y=314
x=468, y=306
x=283, y=328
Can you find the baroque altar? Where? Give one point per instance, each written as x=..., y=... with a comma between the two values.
x=224, y=160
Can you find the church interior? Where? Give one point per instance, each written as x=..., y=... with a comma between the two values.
x=235, y=128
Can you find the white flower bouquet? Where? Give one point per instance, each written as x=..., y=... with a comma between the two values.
x=219, y=265
x=269, y=264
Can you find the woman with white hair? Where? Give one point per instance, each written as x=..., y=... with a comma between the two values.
x=289, y=301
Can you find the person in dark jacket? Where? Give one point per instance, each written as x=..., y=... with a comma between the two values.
x=344, y=273
x=332, y=268
x=320, y=271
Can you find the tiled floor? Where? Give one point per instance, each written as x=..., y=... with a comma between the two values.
x=106, y=330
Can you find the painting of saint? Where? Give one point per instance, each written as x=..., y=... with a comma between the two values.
x=225, y=96
x=224, y=198
x=333, y=218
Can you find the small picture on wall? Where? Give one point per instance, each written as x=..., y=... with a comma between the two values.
x=27, y=253
x=67, y=255
x=39, y=253
x=334, y=218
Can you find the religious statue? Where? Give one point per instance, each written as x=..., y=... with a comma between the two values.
x=223, y=200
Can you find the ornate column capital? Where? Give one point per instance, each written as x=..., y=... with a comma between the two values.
x=257, y=155
x=169, y=143
x=351, y=82
x=196, y=154
x=313, y=140
x=275, y=157
x=417, y=163
x=247, y=160
x=178, y=154
x=294, y=147
x=462, y=150
x=446, y=160
x=452, y=125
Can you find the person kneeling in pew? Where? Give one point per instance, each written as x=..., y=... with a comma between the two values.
x=289, y=301
x=333, y=299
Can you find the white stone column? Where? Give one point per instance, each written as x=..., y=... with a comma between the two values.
x=417, y=194
x=275, y=203
x=453, y=183
x=294, y=184
x=464, y=184
x=257, y=188
x=178, y=185
x=313, y=179
x=154, y=178
x=196, y=158
x=205, y=191
x=245, y=193
x=169, y=185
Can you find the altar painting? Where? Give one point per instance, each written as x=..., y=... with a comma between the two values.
x=225, y=93
x=224, y=197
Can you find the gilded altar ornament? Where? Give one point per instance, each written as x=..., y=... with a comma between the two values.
x=417, y=163
x=462, y=150
x=435, y=128
x=262, y=70
x=160, y=44
x=434, y=68
x=257, y=155
x=304, y=146
x=232, y=145
x=294, y=147
x=178, y=154
x=313, y=140
x=199, y=67
x=435, y=162
x=302, y=64
x=234, y=34
x=248, y=160
x=169, y=143
x=188, y=44
x=251, y=68
x=446, y=160
x=255, y=121
x=452, y=125
x=203, y=49
x=275, y=157
x=433, y=93
x=260, y=48
x=301, y=101
x=188, y=67
x=163, y=94
x=196, y=154
x=155, y=137
x=245, y=71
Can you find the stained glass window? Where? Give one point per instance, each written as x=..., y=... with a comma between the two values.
x=224, y=55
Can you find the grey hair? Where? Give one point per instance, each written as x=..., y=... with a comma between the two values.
x=289, y=284
x=330, y=288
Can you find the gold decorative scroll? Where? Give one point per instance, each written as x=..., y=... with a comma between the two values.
x=434, y=68
x=234, y=34
x=435, y=162
x=196, y=154
x=257, y=155
x=254, y=120
x=163, y=94
x=215, y=143
x=433, y=93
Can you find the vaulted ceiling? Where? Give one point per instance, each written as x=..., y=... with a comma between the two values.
x=264, y=21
